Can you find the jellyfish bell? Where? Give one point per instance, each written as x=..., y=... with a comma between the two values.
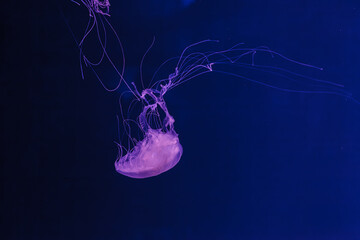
x=158, y=152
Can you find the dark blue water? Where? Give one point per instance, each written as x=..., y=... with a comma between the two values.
x=257, y=164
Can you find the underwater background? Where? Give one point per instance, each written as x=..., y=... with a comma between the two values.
x=257, y=163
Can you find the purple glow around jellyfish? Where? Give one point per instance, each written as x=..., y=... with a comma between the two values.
x=152, y=145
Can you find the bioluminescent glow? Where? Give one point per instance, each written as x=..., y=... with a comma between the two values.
x=152, y=145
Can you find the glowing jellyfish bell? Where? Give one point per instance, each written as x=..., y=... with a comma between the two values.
x=159, y=150
x=155, y=154
x=156, y=148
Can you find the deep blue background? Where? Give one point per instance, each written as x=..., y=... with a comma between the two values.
x=257, y=163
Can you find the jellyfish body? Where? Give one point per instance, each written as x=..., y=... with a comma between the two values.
x=160, y=148
x=156, y=153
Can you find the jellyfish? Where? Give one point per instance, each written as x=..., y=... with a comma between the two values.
x=159, y=149
x=152, y=145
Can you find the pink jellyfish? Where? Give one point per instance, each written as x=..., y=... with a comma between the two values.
x=152, y=146
x=160, y=148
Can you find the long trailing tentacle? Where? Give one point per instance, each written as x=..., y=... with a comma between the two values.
x=191, y=64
